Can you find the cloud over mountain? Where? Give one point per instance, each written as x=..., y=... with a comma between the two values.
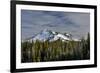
x=33, y=21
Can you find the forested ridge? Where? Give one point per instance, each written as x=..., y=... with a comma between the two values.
x=55, y=50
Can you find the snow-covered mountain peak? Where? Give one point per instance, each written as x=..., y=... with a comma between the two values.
x=49, y=35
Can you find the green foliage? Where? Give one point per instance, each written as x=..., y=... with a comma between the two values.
x=55, y=51
x=85, y=47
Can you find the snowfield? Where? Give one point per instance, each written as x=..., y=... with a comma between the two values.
x=49, y=35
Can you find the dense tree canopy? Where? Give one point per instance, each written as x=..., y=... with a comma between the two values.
x=56, y=50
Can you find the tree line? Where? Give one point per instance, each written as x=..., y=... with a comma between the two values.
x=56, y=50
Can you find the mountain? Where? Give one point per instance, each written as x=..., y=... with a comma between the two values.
x=51, y=36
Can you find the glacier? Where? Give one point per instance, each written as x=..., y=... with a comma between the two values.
x=49, y=35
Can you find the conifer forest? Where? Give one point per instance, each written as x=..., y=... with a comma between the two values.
x=55, y=50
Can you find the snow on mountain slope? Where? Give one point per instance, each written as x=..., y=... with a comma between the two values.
x=60, y=36
x=51, y=36
x=63, y=37
x=44, y=35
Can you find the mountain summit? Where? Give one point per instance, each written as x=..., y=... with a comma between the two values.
x=49, y=35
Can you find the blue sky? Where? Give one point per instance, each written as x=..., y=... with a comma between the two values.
x=32, y=22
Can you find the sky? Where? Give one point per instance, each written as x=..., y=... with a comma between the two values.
x=34, y=21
